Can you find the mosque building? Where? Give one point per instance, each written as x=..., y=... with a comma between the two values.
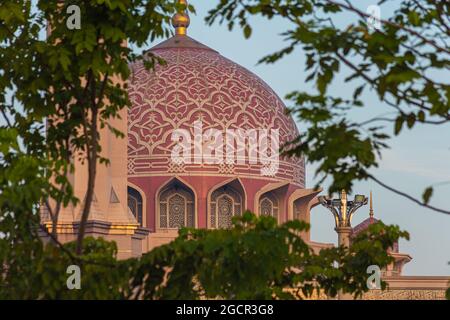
x=144, y=196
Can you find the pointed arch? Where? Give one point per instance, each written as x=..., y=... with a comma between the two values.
x=176, y=205
x=136, y=203
x=307, y=196
x=269, y=205
x=300, y=203
x=269, y=194
x=225, y=200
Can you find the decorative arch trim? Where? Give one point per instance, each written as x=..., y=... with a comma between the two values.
x=144, y=201
x=302, y=193
x=267, y=188
x=162, y=187
x=217, y=186
x=272, y=204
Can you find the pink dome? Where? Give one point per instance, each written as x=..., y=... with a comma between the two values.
x=197, y=83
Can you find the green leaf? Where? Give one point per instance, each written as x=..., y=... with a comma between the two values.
x=358, y=92
x=398, y=125
x=421, y=116
x=414, y=18
x=426, y=196
x=410, y=120
x=247, y=31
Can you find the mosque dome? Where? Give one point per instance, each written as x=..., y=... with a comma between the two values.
x=196, y=85
x=199, y=84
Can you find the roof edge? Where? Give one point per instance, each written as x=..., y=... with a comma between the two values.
x=181, y=42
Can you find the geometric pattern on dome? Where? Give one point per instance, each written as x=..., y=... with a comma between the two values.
x=199, y=84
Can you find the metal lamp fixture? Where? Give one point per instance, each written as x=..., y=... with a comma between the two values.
x=343, y=209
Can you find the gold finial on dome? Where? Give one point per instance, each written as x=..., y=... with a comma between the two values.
x=371, y=206
x=180, y=20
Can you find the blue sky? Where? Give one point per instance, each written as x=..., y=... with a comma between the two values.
x=417, y=158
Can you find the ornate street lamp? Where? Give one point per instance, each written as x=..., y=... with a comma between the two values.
x=343, y=211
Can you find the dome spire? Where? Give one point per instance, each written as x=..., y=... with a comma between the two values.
x=371, y=206
x=181, y=20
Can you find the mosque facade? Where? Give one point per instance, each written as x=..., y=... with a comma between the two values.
x=203, y=136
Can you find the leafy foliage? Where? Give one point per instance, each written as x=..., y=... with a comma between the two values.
x=256, y=259
x=65, y=87
x=58, y=93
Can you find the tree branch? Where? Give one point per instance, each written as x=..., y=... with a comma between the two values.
x=407, y=196
x=349, y=7
x=91, y=153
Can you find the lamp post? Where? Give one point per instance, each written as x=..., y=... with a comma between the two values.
x=343, y=211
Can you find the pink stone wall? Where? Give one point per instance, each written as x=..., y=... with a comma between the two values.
x=202, y=186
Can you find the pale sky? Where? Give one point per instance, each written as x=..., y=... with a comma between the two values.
x=416, y=159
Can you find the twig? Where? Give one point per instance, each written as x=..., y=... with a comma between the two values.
x=405, y=195
x=390, y=23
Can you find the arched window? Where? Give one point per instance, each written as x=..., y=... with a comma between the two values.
x=176, y=207
x=268, y=205
x=226, y=202
x=135, y=204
